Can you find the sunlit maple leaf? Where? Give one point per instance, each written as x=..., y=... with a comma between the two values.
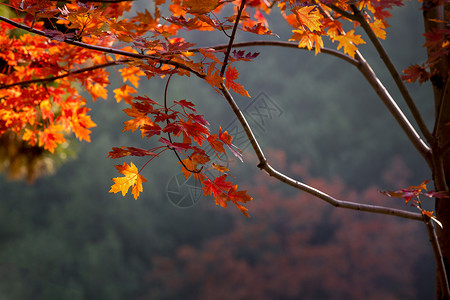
x=131, y=178
x=139, y=119
x=308, y=40
x=131, y=74
x=81, y=124
x=378, y=28
x=230, y=75
x=51, y=137
x=309, y=17
x=97, y=91
x=349, y=41
x=124, y=93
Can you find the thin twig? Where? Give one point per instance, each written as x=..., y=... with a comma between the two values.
x=166, y=110
x=233, y=35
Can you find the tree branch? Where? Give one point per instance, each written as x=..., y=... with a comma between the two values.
x=233, y=35
x=69, y=73
x=284, y=45
x=438, y=257
x=105, y=49
x=263, y=164
x=390, y=103
x=394, y=73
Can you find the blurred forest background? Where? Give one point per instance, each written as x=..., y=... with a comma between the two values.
x=66, y=237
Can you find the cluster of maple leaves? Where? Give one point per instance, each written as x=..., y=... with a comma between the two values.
x=68, y=44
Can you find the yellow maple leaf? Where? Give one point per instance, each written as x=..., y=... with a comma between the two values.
x=308, y=16
x=349, y=42
x=378, y=28
x=132, y=179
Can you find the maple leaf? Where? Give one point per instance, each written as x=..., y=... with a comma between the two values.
x=307, y=40
x=230, y=75
x=131, y=74
x=213, y=77
x=186, y=104
x=309, y=17
x=81, y=124
x=131, y=178
x=123, y=93
x=215, y=143
x=349, y=41
x=378, y=27
x=199, y=7
x=220, y=168
x=259, y=29
x=416, y=72
x=51, y=137
x=208, y=53
x=139, y=119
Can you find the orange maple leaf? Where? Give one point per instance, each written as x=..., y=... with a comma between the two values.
x=51, y=137
x=131, y=74
x=309, y=17
x=230, y=75
x=139, y=119
x=81, y=124
x=123, y=93
x=132, y=179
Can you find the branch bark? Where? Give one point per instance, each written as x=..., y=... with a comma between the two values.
x=264, y=165
x=394, y=73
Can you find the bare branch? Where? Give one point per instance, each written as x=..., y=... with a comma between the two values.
x=443, y=280
x=284, y=45
x=390, y=103
x=394, y=73
x=301, y=186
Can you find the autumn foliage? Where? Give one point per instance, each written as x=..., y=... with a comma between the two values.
x=51, y=51
x=69, y=45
